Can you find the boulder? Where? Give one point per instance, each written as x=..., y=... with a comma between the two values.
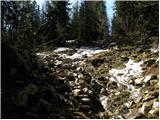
x=112, y=85
x=139, y=81
x=124, y=58
x=149, y=62
x=97, y=62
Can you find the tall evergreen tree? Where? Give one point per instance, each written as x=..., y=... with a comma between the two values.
x=93, y=22
x=18, y=40
x=57, y=20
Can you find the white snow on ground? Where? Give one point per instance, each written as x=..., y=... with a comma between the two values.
x=85, y=51
x=81, y=52
x=103, y=99
x=154, y=50
x=122, y=76
x=42, y=54
x=61, y=49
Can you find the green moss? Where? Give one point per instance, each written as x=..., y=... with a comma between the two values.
x=102, y=70
x=116, y=101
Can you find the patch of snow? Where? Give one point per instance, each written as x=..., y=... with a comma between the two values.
x=57, y=62
x=155, y=104
x=85, y=99
x=75, y=74
x=61, y=49
x=103, y=100
x=123, y=75
x=154, y=50
x=42, y=54
x=139, y=81
x=135, y=94
x=147, y=78
x=152, y=111
x=86, y=52
x=128, y=104
x=76, y=91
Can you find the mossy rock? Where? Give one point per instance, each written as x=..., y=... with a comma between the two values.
x=118, y=64
x=116, y=101
x=103, y=69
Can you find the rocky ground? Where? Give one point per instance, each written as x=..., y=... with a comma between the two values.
x=94, y=83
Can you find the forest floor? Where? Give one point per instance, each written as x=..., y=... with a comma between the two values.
x=97, y=83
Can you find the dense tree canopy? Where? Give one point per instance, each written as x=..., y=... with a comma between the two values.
x=135, y=19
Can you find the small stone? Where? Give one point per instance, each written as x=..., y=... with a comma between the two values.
x=153, y=82
x=80, y=76
x=148, y=97
x=130, y=81
x=110, y=113
x=155, y=105
x=103, y=115
x=128, y=104
x=146, y=107
x=138, y=100
x=139, y=81
x=83, y=96
x=87, y=100
x=76, y=91
x=147, y=78
x=146, y=92
x=75, y=74
x=154, y=113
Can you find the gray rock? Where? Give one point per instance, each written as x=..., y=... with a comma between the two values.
x=146, y=107
x=112, y=85
x=139, y=81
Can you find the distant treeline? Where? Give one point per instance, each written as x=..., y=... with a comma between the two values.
x=86, y=22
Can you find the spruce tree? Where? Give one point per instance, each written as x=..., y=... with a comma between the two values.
x=93, y=22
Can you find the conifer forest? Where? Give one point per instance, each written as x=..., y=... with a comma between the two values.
x=68, y=60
